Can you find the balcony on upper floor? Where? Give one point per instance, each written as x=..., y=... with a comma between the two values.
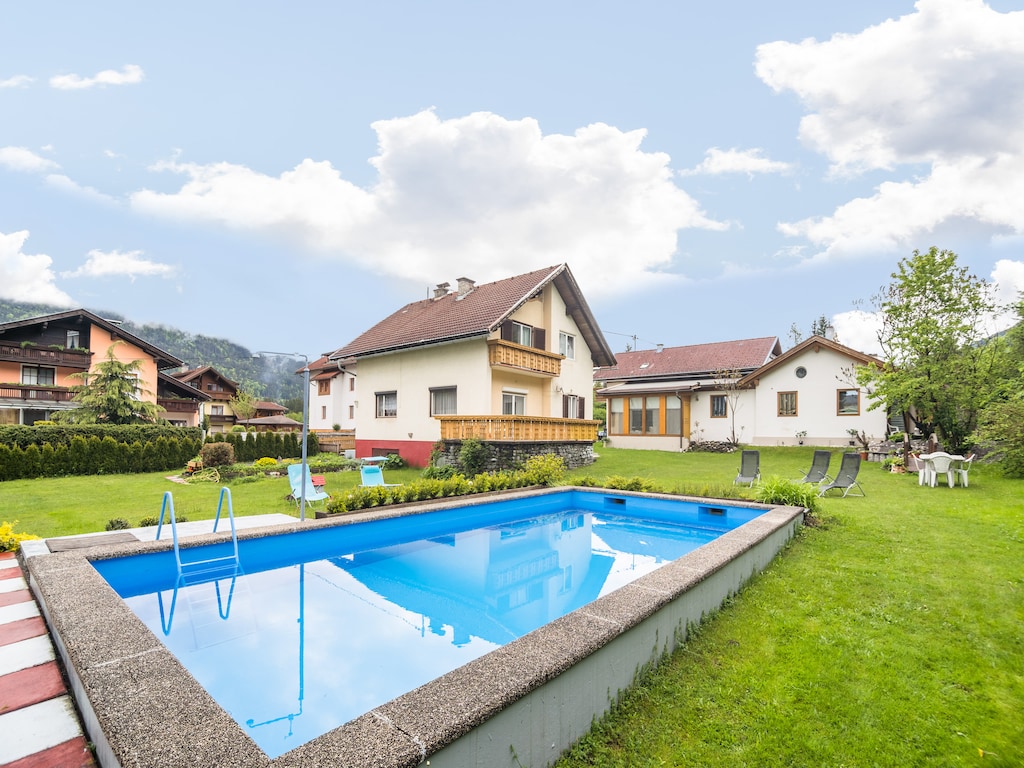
x=507, y=354
x=31, y=354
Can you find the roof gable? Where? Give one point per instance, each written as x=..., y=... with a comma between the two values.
x=813, y=344
x=477, y=312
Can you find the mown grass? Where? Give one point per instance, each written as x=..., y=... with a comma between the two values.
x=889, y=634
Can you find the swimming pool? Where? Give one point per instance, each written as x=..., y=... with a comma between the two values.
x=314, y=629
x=520, y=704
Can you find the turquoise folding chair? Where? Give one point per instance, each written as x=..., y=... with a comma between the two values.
x=371, y=475
x=313, y=494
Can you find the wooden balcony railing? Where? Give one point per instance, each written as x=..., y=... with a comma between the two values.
x=522, y=429
x=35, y=392
x=178, y=406
x=510, y=355
x=61, y=358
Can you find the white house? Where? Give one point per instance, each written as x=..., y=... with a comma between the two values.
x=746, y=391
x=509, y=361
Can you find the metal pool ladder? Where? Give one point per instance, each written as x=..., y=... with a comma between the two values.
x=201, y=568
x=193, y=572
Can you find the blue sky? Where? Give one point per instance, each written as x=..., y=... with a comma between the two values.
x=287, y=175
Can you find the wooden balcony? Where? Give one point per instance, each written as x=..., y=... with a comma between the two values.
x=36, y=393
x=32, y=355
x=518, y=429
x=178, y=406
x=510, y=355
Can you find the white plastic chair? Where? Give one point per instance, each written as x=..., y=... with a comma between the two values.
x=940, y=464
x=963, y=469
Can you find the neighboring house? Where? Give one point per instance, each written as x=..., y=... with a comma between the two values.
x=266, y=408
x=183, y=406
x=39, y=355
x=278, y=423
x=220, y=389
x=651, y=395
x=745, y=391
x=505, y=362
x=332, y=402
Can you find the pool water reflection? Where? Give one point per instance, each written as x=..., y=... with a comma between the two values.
x=295, y=650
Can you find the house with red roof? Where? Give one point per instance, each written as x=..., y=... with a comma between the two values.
x=747, y=391
x=504, y=362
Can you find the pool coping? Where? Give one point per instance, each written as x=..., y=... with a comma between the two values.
x=141, y=707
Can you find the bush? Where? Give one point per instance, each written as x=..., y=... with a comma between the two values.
x=777, y=490
x=117, y=524
x=473, y=457
x=266, y=462
x=439, y=473
x=217, y=454
x=547, y=469
x=394, y=461
x=146, y=522
x=11, y=541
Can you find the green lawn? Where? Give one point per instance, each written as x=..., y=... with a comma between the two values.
x=889, y=634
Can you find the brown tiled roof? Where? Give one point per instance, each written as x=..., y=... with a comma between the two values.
x=674, y=362
x=477, y=313
x=266, y=405
x=196, y=373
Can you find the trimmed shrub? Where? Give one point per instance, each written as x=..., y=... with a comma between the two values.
x=117, y=524
x=217, y=454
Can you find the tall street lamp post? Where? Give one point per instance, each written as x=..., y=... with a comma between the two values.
x=305, y=424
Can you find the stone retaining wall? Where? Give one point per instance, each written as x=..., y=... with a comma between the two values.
x=509, y=455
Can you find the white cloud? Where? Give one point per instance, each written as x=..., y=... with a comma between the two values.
x=70, y=186
x=130, y=74
x=25, y=160
x=18, y=81
x=942, y=87
x=859, y=329
x=748, y=161
x=479, y=194
x=117, y=264
x=25, y=277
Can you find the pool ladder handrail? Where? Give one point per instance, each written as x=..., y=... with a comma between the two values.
x=210, y=564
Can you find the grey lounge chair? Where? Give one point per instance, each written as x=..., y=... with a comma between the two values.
x=750, y=468
x=846, y=477
x=818, y=473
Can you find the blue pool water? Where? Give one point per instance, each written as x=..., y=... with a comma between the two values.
x=316, y=628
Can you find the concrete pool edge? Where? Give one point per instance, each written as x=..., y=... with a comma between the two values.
x=522, y=704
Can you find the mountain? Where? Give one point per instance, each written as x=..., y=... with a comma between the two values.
x=270, y=378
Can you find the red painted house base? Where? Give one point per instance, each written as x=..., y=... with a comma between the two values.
x=415, y=452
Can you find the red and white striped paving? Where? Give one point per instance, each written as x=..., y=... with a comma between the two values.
x=39, y=727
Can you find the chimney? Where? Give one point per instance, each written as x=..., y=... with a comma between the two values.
x=659, y=349
x=441, y=290
x=465, y=286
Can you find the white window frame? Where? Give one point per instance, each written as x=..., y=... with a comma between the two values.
x=444, y=401
x=509, y=401
x=522, y=334
x=567, y=345
x=386, y=405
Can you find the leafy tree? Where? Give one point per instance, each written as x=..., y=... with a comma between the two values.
x=110, y=395
x=819, y=327
x=936, y=368
x=243, y=404
x=1002, y=421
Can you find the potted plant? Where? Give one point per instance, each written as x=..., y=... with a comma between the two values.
x=862, y=438
x=800, y=436
x=895, y=464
